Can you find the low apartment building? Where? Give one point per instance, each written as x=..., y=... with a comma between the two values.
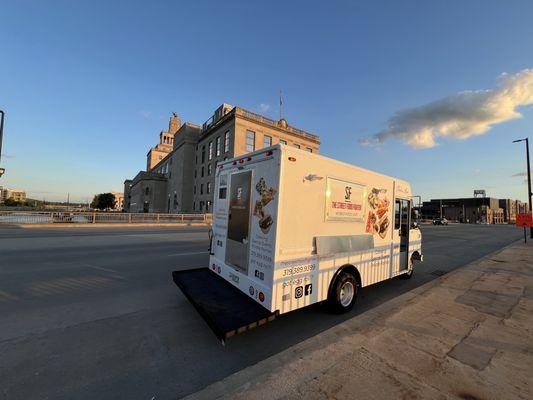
x=187, y=172
x=13, y=194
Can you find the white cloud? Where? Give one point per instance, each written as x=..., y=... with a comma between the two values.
x=145, y=114
x=519, y=174
x=263, y=107
x=466, y=114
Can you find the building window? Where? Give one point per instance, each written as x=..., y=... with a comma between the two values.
x=147, y=191
x=201, y=188
x=267, y=141
x=208, y=187
x=281, y=141
x=160, y=158
x=222, y=192
x=194, y=189
x=203, y=170
x=195, y=173
x=210, y=154
x=309, y=149
x=218, y=146
x=297, y=146
x=201, y=205
x=226, y=142
x=209, y=169
x=203, y=154
x=194, y=205
x=250, y=141
x=208, y=205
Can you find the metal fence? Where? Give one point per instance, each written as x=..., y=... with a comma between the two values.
x=77, y=217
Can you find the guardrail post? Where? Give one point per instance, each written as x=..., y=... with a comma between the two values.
x=51, y=217
x=94, y=217
x=129, y=218
x=157, y=218
x=182, y=216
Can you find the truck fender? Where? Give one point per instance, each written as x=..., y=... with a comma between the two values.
x=416, y=256
x=345, y=268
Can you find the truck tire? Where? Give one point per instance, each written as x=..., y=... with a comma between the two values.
x=408, y=274
x=343, y=293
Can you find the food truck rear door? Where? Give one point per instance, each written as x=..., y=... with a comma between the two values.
x=237, y=243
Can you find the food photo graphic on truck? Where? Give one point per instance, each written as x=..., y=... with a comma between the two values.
x=292, y=228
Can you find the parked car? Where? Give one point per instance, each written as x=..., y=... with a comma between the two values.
x=440, y=221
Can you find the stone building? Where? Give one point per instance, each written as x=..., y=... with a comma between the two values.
x=119, y=200
x=185, y=175
x=165, y=145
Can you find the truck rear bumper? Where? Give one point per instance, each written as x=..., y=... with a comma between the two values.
x=225, y=308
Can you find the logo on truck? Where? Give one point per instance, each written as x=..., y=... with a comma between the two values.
x=348, y=191
x=344, y=200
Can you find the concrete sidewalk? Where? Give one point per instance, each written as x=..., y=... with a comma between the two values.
x=466, y=335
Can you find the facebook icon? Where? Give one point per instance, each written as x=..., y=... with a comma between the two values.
x=308, y=289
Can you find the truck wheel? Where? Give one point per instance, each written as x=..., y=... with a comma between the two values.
x=343, y=293
x=408, y=274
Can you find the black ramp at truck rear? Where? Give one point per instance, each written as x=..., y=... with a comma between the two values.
x=225, y=308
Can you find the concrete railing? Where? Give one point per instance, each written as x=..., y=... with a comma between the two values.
x=77, y=217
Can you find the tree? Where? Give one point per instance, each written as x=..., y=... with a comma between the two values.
x=103, y=201
x=10, y=203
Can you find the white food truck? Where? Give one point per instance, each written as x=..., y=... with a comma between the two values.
x=292, y=228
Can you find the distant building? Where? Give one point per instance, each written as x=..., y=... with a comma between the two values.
x=474, y=210
x=183, y=178
x=119, y=200
x=13, y=194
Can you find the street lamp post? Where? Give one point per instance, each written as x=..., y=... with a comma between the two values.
x=2, y=114
x=528, y=179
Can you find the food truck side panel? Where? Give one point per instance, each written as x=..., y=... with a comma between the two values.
x=322, y=197
x=243, y=245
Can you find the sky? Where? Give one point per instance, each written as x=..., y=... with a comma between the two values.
x=431, y=92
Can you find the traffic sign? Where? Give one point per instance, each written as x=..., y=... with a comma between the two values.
x=524, y=220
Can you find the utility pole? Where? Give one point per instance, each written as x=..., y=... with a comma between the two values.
x=2, y=115
x=528, y=179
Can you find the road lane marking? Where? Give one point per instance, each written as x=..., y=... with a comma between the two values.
x=100, y=268
x=187, y=254
x=5, y=297
x=69, y=285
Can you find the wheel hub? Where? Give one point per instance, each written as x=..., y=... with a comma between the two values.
x=346, y=294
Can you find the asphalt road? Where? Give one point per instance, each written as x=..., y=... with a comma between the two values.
x=92, y=313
